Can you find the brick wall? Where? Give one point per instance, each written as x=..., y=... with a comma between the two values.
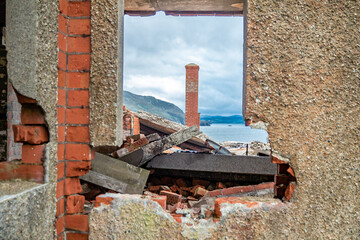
x=74, y=151
x=131, y=123
x=192, y=117
x=13, y=117
x=31, y=131
x=3, y=104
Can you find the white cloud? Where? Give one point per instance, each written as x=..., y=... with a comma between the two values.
x=158, y=48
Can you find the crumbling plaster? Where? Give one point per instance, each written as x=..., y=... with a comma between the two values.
x=106, y=72
x=37, y=205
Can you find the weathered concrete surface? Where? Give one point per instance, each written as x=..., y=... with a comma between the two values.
x=15, y=186
x=21, y=44
x=137, y=217
x=32, y=213
x=106, y=72
x=303, y=82
x=132, y=217
x=27, y=215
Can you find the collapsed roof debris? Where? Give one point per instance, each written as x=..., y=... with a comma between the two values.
x=188, y=170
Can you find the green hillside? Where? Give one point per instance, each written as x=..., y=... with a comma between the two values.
x=155, y=106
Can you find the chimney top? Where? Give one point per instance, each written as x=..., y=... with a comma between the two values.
x=191, y=65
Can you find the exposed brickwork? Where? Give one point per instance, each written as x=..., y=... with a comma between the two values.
x=13, y=117
x=285, y=180
x=192, y=117
x=131, y=123
x=3, y=104
x=74, y=151
x=34, y=138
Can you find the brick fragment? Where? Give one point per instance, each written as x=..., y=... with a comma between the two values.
x=289, y=191
x=77, y=222
x=161, y=200
x=33, y=153
x=102, y=200
x=177, y=217
x=30, y=134
x=154, y=188
x=59, y=225
x=277, y=161
x=60, y=207
x=200, y=192
x=72, y=186
x=79, y=9
x=79, y=26
x=78, y=152
x=12, y=170
x=60, y=170
x=78, y=134
x=291, y=171
x=261, y=186
x=172, y=198
x=77, y=236
x=220, y=185
x=77, y=116
x=76, y=169
x=181, y=182
x=139, y=143
x=75, y=204
x=78, y=98
x=60, y=189
x=32, y=114
x=232, y=200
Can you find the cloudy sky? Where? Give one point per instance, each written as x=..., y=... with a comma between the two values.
x=157, y=49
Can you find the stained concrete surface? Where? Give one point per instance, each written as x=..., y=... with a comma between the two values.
x=15, y=186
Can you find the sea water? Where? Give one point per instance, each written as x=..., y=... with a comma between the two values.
x=234, y=132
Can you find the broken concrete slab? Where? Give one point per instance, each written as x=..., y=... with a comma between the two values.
x=149, y=151
x=116, y=175
x=214, y=163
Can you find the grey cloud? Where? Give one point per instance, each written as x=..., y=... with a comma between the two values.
x=161, y=46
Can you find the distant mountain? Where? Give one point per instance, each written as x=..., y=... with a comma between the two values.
x=223, y=119
x=167, y=110
x=170, y=111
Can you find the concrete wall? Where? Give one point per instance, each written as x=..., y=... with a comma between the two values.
x=303, y=84
x=106, y=72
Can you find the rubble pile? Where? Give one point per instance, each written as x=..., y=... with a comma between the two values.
x=189, y=177
x=196, y=198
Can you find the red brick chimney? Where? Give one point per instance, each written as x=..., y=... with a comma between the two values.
x=192, y=117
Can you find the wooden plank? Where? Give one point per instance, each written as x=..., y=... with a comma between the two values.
x=147, y=152
x=133, y=177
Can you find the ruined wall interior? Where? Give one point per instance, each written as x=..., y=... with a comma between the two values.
x=32, y=59
x=3, y=88
x=302, y=85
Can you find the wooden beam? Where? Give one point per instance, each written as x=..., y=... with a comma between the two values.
x=149, y=151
